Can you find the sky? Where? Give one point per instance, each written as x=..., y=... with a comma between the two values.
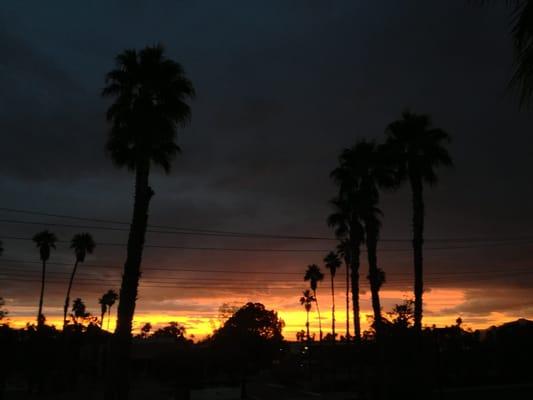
x=282, y=87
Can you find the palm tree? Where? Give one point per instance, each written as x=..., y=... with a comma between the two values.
x=333, y=263
x=418, y=150
x=365, y=169
x=82, y=244
x=307, y=301
x=150, y=95
x=522, y=37
x=45, y=241
x=349, y=230
x=107, y=301
x=314, y=275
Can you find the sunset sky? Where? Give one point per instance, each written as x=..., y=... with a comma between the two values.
x=282, y=87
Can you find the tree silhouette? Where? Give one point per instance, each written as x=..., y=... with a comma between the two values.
x=417, y=150
x=307, y=300
x=145, y=330
x=343, y=249
x=346, y=222
x=364, y=169
x=79, y=312
x=45, y=241
x=150, y=95
x=82, y=244
x=314, y=275
x=107, y=301
x=333, y=263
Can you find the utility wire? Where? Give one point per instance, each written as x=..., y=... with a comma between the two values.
x=166, y=229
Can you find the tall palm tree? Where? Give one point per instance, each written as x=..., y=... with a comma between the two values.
x=150, y=93
x=417, y=149
x=45, y=241
x=348, y=229
x=314, y=275
x=365, y=169
x=82, y=244
x=333, y=263
x=307, y=300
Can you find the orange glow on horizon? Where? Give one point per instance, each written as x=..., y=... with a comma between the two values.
x=436, y=302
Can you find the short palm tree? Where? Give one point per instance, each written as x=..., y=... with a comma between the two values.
x=333, y=263
x=45, y=241
x=151, y=94
x=307, y=300
x=107, y=301
x=82, y=244
x=346, y=222
x=314, y=275
x=417, y=149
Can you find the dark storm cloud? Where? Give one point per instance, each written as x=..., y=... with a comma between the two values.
x=282, y=87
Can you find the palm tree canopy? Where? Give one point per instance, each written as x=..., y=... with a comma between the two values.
x=307, y=299
x=346, y=218
x=82, y=244
x=332, y=262
x=45, y=241
x=364, y=168
x=522, y=35
x=151, y=93
x=416, y=147
x=110, y=297
x=313, y=275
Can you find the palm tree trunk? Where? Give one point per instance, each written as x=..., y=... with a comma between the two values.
x=373, y=277
x=319, y=320
x=418, y=241
x=117, y=386
x=307, y=326
x=333, y=306
x=108, y=316
x=102, y=315
x=67, y=298
x=347, y=264
x=354, y=267
x=40, y=317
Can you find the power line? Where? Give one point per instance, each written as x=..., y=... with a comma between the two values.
x=282, y=250
x=149, y=268
x=166, y=229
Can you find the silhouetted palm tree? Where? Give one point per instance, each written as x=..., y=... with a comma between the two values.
x=314, y=275
x=333, y=263
x=418, y=150
x=150, y=95
x=364, y=169
x=348, y=229
x=107, y=301
x=307, y=301
x=82, y=244
x=45, y=241
x=522, y=37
